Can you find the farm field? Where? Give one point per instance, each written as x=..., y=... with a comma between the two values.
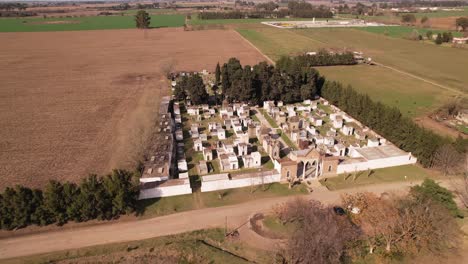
x=92, y=109
x=412, y=96
x=85, y=23
x=404, y=31
x=441, y=66
x=381, y=83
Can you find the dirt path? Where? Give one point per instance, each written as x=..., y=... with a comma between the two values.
x=437, y=127
x=161, y=226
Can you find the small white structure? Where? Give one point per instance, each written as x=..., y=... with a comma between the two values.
x=221, y=133
x=372, y=142
x=183, y=175
x=338, y=122
x=198, y=145
x=179, y=135
x=242, y=149
x=347, y=130
x=253, y=160
x=228, y=162
x=207, y=154
x=182, y=165
x=193, y=110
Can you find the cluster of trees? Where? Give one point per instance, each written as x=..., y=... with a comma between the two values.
x=359, y=9
x=268, y=10
x=385, y=120
x=13, y=6
x=307, y=10
x=408, y=18
x=265, y=82
x=142, y=19
x=321, y=58
x=191, y=87
x=420, y=223
x=462, y=22
x=95, y=197
x=445, y=37
x=267, y=6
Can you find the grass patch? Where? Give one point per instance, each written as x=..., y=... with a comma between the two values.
x=382, y=85
x=404, y=31
x=85, y=23
x=274, y=225
x=181, y=248
x=387, y=175
x=288, y=141
x=268, y=118
x=174, y=204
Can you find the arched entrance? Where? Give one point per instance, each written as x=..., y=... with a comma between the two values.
x=310, y=168
x=300, y=170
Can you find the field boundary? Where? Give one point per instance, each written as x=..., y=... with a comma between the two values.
x=397, y=70
x=255, y=47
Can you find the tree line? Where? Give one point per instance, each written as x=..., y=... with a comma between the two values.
x=388, y=228
x=102, y=198
x=268, y=10
x=321, y=58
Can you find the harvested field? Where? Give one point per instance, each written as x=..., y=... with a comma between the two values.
x=74, y=103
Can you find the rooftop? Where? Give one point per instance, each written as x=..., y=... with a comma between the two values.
x=381, y=152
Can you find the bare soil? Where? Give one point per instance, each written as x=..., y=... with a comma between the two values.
x=438, y=127
x=74, y=103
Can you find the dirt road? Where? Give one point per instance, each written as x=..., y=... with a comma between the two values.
x=161, y=226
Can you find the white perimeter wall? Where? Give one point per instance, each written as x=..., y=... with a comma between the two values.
x=165, y=191
x=376, y=164
x=238, y=183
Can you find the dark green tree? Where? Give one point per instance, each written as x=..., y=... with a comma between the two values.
x=122, y=191
x=217, y=74
x=438, y=39
x=55, y=202
x=196, y=89
x=429, y=189
x=142, y=19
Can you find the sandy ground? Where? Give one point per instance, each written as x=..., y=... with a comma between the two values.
x=74, y=103
x=165, y=225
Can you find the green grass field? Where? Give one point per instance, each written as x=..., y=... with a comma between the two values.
x=84, y=23
x=392, y=174
x=414, y=97
x=381, y=84
x=404, y=31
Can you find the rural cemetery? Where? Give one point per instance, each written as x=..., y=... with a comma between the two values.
x=238, y=145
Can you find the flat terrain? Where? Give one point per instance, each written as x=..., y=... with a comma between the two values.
x=85, y=23
x=441, y=71
x=74, y=103
x=236, y=215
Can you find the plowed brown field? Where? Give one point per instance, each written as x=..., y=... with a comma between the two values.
x=73, y=103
